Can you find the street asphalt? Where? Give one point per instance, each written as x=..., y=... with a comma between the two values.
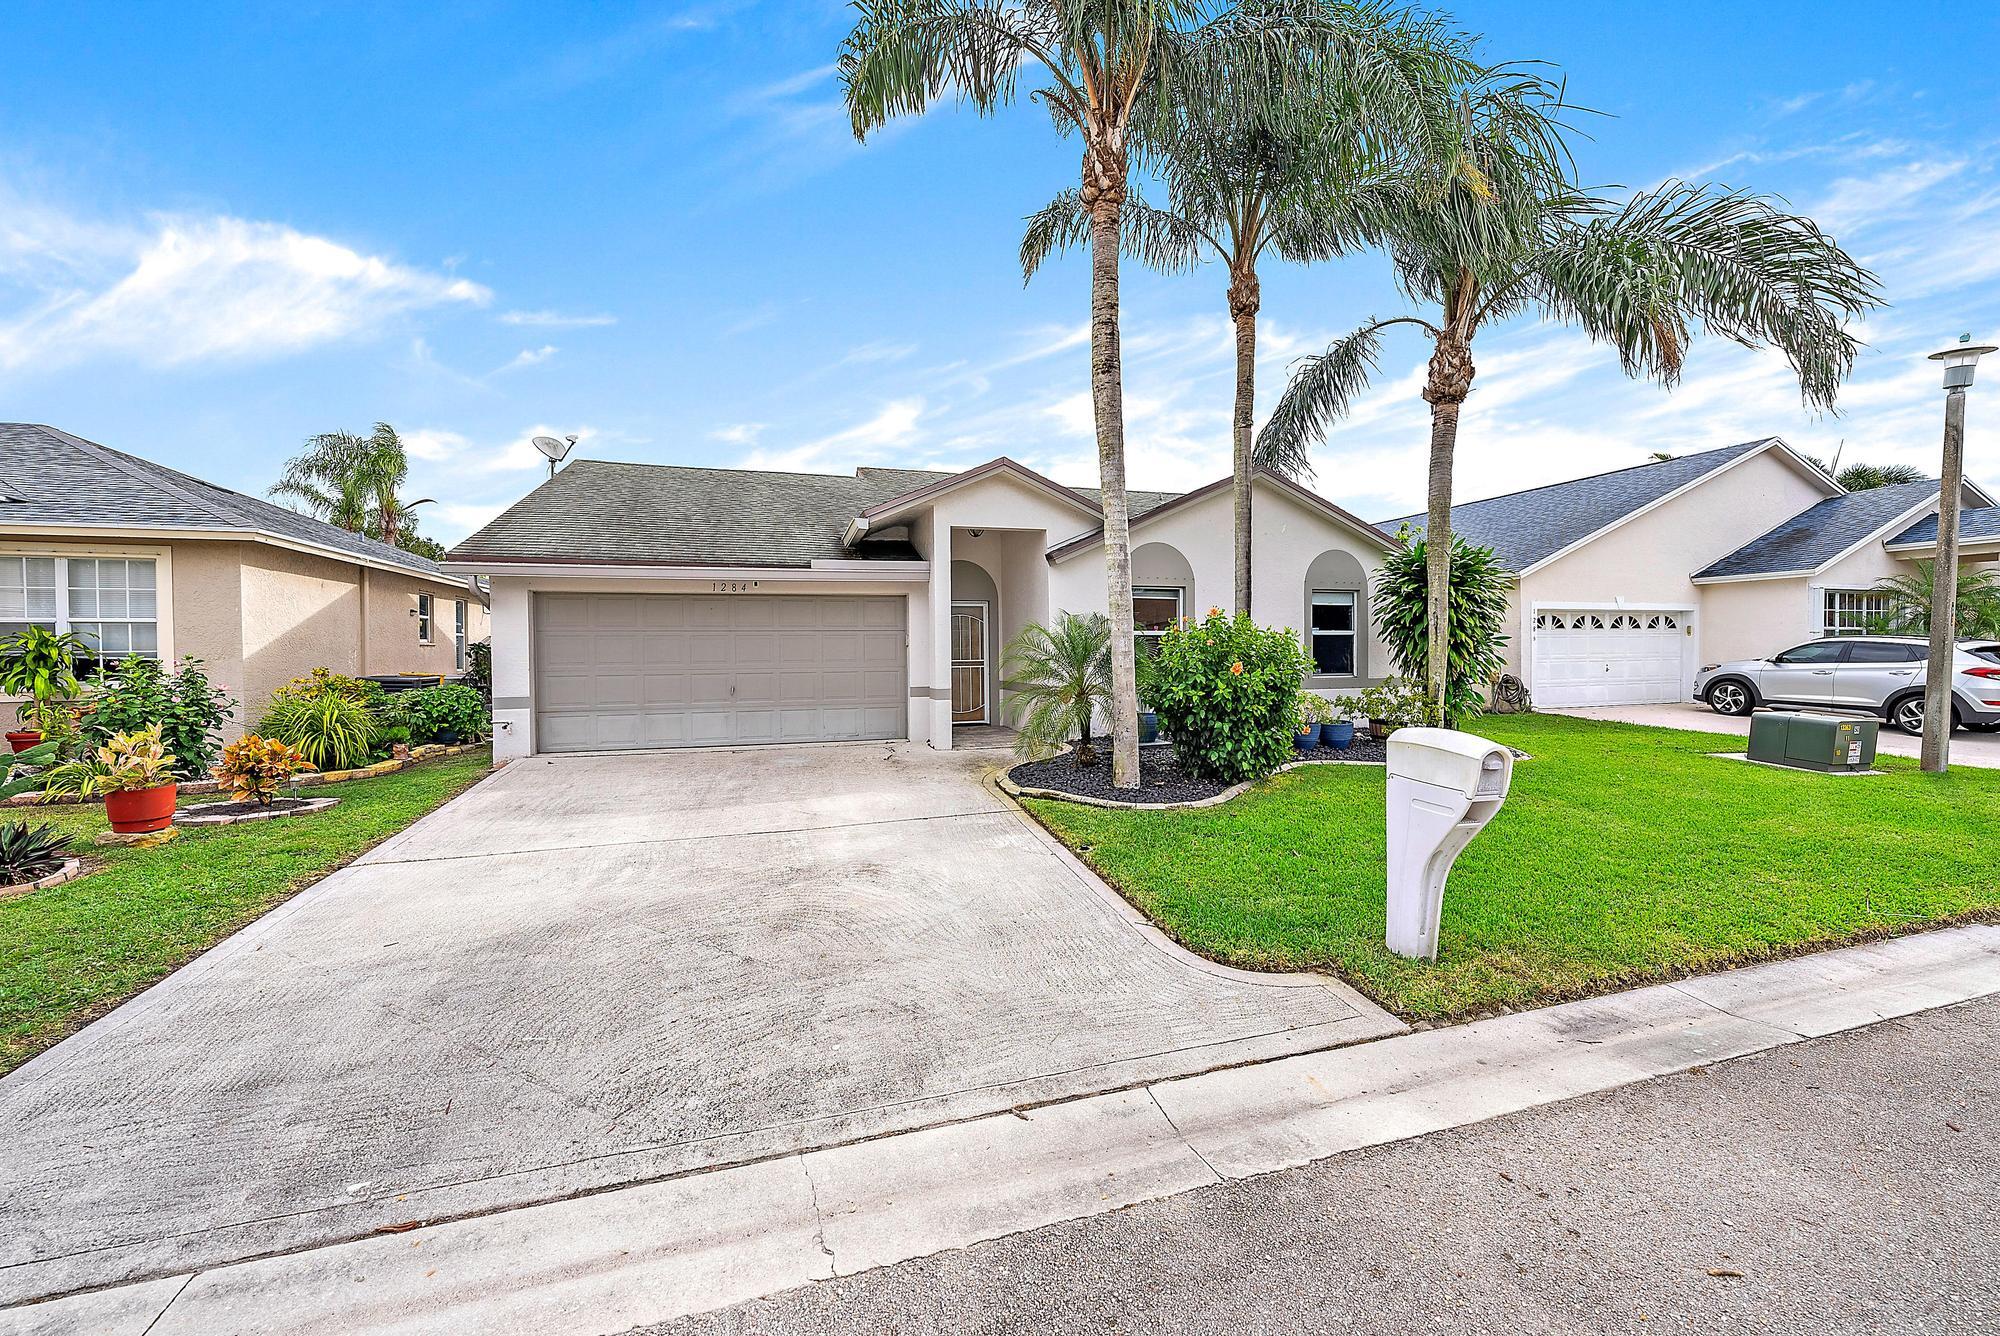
x=1847, y=1184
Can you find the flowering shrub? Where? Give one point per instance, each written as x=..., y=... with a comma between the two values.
x=1227, y=690
x=254, y=767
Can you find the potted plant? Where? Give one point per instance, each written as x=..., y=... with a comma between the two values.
x=136, y=779
x=1149, y=719
x=39, y=664
x=1305, y=731
x=1336, y=726
x=1394, y=704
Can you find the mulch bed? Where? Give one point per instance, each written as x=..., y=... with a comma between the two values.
x=1160, y=776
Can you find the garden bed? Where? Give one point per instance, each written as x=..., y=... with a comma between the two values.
x=1162, y=782
x=229, y=814
x=195, y=787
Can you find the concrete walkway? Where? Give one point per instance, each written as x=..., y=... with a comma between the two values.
x=589, y=972
x=607, y=1262
x=1967, y=748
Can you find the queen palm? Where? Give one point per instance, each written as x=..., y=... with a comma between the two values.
x=1296, y=177
x=353, y=482
x=1110, y=68
x=1641, y=275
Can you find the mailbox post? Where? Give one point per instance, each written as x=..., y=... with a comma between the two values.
x=1444, y=786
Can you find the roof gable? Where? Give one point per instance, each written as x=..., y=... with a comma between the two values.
x=58, y=480
x=1822, y=533
x=1976, y=522
x=1169, y=503
x=1530, y=527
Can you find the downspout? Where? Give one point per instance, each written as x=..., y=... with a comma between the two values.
x=361, y=572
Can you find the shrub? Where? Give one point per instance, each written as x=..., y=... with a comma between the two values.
x=478, y=672
x=29, y=853
x=1227, y=690
x=40, y=664
x=1057, y=678
x=254, y=767
x=449, y=708
x=1398, y=702
x=1477, y=607
x=140, y=693
x=128, y=762
x=332, y=728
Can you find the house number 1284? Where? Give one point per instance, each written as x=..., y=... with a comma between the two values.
x=733, y=586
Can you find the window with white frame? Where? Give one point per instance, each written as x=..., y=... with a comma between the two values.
x=1154, y=609
x=111, y=603
x=1333, y=632
x=1852, y=612
x=424, y=619
x=458, y=635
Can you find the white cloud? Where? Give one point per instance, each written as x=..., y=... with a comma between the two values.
x=738, y=433
x=554, y=319
x=187, y=288
x=527, y=357
x=878, y=438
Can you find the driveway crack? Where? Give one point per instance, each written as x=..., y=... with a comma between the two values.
x=819, y=1217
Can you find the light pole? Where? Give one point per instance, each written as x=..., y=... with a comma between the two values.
x=1959, y=360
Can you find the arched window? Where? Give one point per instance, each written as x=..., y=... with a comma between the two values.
x=1162, y=589
x=1336, y=616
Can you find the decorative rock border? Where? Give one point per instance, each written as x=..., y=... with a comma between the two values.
x=71, y=869
x=1008, y=786
x=193, y=816
x=430, y=751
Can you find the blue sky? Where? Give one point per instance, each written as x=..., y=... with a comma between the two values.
x=224, y=228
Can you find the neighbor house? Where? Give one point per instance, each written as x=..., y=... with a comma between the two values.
x=641, y=605
x=138, y=558
x=1627, y=582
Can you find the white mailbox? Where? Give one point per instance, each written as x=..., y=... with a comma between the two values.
x=1444, y=786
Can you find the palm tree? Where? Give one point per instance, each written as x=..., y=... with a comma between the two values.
x=1910, y=602
x=353, y=482
x=1867, y=477
x=1297, y=178
x=1111, y=67
x=1058, y=677
x=1639, y=275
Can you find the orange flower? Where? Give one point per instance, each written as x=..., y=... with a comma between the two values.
x=1215, y=612
x=1236, y=669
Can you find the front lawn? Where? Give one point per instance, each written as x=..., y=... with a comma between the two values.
x=71, y=953
x=1624, y=854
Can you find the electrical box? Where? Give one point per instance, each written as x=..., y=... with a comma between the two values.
x=1827, y=742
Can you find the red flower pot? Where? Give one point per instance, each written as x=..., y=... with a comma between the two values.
x=22, y=739
x=136, y=811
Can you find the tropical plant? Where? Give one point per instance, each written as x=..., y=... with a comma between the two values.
x=1296, y=176
x=29, y=853
x=1867, y=477
x=1109, y=67
x=1394, y=701
x=1227, y=690
x=331, y=729
x=128, y=762
x=1641, y=275
x=1058, y=680
x=353, y=482
x=188, y=709
x=72, y=778
x=252, y=768
x=478, y=672
x=40, y=664
x=26, y=772
x=1909, y=597
x=450, y=707
x=1478, y=611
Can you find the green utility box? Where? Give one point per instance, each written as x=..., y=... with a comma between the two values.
x=1812, y=741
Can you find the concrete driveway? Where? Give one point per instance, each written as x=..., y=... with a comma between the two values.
x=591, y=971
x=1967, y=748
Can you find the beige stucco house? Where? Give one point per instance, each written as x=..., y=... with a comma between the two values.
x=639, y=605
x=136, y=557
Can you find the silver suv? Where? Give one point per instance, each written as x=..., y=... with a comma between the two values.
x=1879, y=675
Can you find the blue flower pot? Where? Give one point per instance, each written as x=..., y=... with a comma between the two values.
x=1306, y=741
x=1149, y=726
x=1339, y=736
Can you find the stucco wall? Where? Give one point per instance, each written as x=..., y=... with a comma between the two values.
x=393, y=646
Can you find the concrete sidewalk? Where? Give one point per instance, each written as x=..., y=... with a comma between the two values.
x=610, y=1261
x=1967, y=748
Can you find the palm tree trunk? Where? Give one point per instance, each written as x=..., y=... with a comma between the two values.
x=1104, y=195
x=1244, y=300
x=1449, y=381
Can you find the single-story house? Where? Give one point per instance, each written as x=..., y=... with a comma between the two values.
x=642, y=605
x=1627, y=582
x=135, y=557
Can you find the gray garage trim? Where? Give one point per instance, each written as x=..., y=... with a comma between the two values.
x=630, y=671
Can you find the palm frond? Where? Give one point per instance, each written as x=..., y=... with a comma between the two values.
x=1154, y=237
x=904, y=55
x=1321, y=389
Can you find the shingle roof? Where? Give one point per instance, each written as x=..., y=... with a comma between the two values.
x=50, y=477
x=1818, y=534
x=1977, y=522
x=1523, y=528
x=673, y=515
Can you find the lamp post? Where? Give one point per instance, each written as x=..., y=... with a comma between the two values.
x=1959, y=360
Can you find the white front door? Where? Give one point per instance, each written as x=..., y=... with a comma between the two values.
x=1609, y=656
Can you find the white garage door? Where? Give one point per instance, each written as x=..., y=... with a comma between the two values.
x=686, y=670
x=1597, y=656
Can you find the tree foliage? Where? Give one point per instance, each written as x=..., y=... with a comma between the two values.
x=1910, y=602
x=1864, y=477
x=355, y=483
x=1227, y=691
x=1479, y=589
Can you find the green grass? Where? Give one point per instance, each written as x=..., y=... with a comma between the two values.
x=1624, y=854
x=71, y=953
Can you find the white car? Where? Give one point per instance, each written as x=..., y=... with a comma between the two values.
x=1878, y=675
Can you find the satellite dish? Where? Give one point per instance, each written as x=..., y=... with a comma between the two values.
x=554, y=450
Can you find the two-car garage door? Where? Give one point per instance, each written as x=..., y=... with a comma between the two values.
x=617, y=671
x=1605, y=656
